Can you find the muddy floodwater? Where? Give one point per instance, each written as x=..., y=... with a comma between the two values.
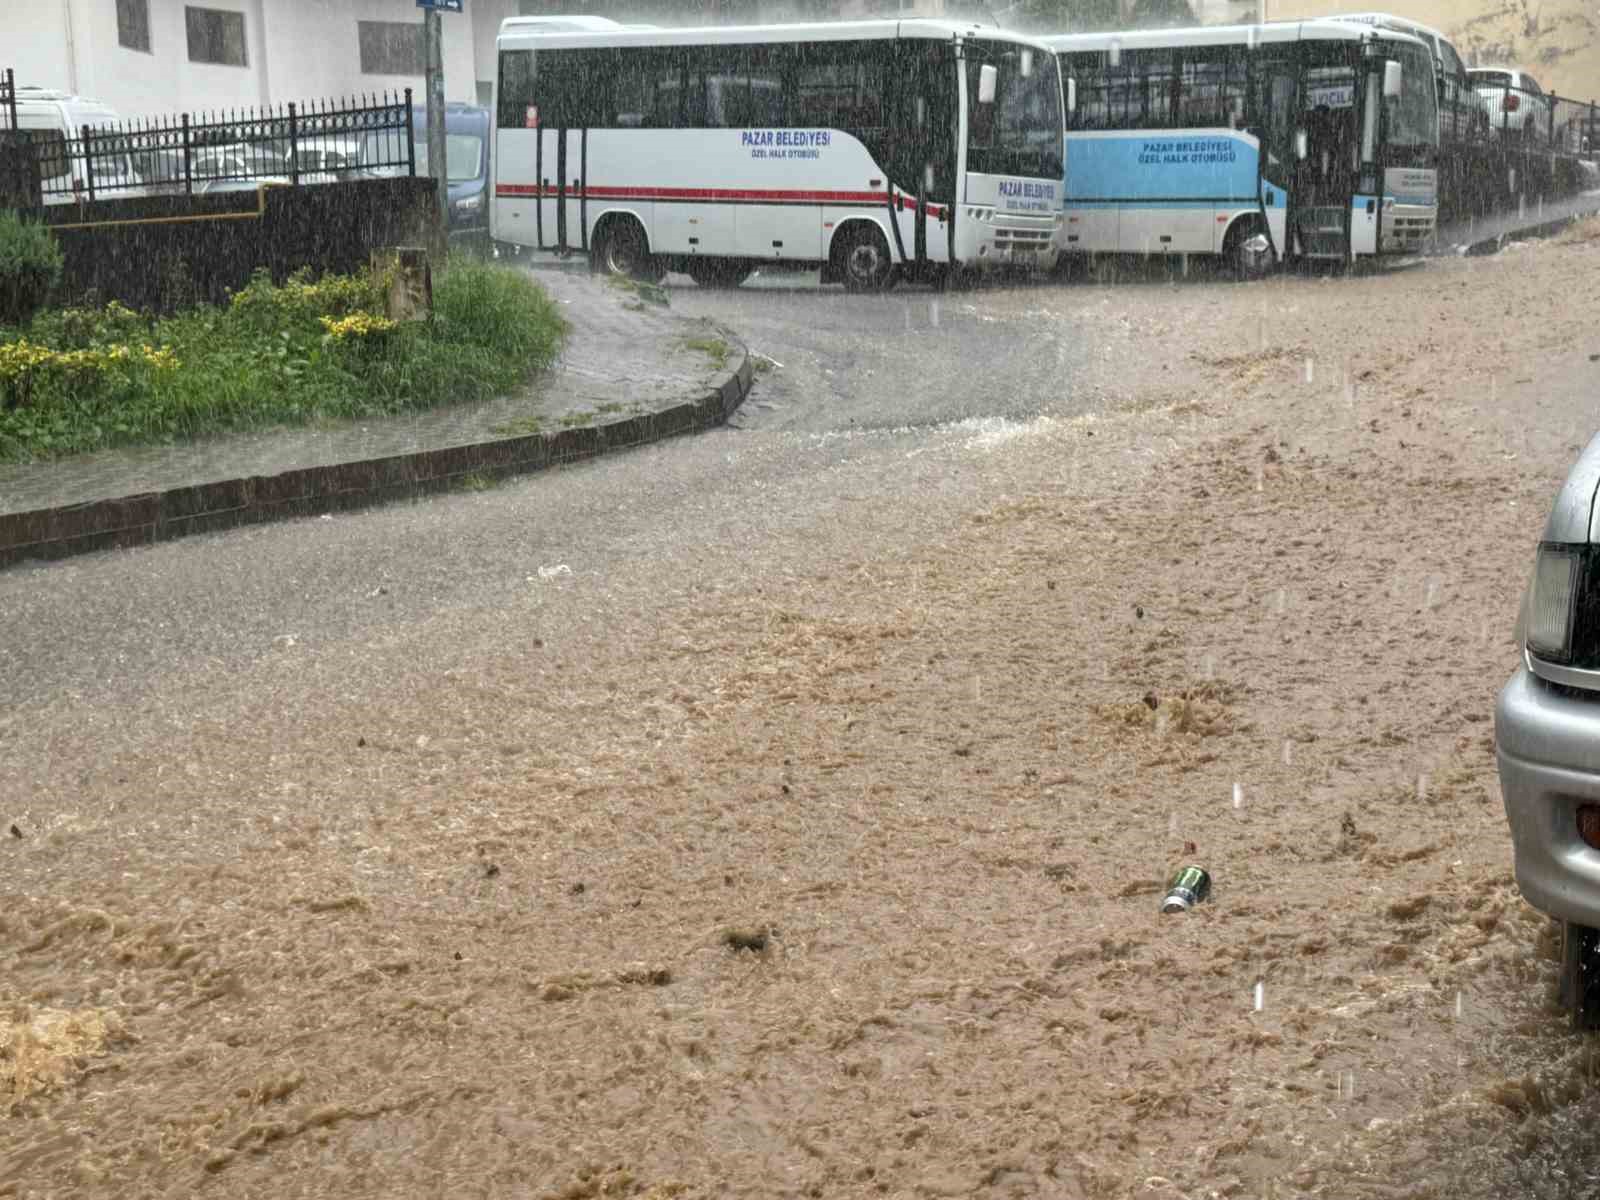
x=819, y=849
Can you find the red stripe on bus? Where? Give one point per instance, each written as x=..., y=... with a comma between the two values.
x=746, y=194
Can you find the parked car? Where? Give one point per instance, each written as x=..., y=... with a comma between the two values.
x=466, y=148
x=52, y=119
x=1462, y=117
x=1518, y=107
x=1547, y=735
x=328, y=159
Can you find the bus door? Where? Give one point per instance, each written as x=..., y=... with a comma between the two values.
x=1326, y=155
x=1274, y=92
x=924, y=127
x=561, y=151
x=1366, y=213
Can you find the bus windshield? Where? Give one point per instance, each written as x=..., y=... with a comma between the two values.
x=1020, y=133
x=1414, y=116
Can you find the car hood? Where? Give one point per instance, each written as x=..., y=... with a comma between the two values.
x=1573, y=517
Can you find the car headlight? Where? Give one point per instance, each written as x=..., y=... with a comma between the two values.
x=1552, y=602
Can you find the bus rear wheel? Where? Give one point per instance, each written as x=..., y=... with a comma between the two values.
x=620, y=248
x=862, y=259
x=1249, y=251
x=718, y=272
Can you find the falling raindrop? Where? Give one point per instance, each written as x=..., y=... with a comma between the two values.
x=933, y=313
x=1288, y=752
x=1432, y=599
x=1422, y=786
x=1261, y=477
x=977, y=690
x=1208, y=667
x=1261, y=995
x=1281, y=602
x=1114, y=53
x=1347, y=1085
x=1458, y=1006
x=1238, y=796
x=1161, y=723
x=1311, y=371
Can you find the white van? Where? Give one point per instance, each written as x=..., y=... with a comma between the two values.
x=52, y=119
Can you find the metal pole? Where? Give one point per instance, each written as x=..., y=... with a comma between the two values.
x=434, y=83
x=88, y=164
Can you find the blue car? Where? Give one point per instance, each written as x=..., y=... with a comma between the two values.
x=466, y=145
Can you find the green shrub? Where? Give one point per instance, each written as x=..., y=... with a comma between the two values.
x=30, y=266
x=306, y=351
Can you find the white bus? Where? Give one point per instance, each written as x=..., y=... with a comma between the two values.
x=1261, y=143
x=875, y=149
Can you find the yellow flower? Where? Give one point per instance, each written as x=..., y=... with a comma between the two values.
x=357, y=325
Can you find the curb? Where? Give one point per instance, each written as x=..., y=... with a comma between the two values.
x=1493, y=245
x=151, y=517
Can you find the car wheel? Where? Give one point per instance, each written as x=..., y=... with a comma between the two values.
x=1580, y=974
x=718, y=272
x=863, y=259
x=621, y=249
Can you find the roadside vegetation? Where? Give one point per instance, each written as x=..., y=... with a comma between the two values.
x=309, y=351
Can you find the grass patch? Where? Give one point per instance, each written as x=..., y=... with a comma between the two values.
x=714, y=348
x=520, y=427
x=653, y=293
x=477, y=482
x=309, y=352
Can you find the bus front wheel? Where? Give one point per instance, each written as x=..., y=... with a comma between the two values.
x=1249, y=251
x=620, y=248
x=862, y=258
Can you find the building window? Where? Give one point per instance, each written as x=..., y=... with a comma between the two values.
x=216, y=36
x=133, y=24
x=391, y=48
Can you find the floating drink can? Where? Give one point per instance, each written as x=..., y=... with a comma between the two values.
x=1190, y=886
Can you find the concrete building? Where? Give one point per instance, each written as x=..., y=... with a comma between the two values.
x=149, y=57
x=144, y=57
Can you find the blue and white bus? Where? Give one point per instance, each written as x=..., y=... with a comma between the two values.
x=1260, y=143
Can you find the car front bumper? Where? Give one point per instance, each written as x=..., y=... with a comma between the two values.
x=1547, y=744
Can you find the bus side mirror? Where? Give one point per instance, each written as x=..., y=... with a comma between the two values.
x=988, y=83
x=1393, y=74
x=1072, y=96
x=1301, y=145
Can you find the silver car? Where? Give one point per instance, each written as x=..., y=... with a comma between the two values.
x=1547, y=735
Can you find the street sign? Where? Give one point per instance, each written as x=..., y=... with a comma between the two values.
x=440, y=5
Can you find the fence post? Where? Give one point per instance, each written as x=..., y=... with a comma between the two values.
x=411, y=138
x=294, y=146
x=88, y=164
x=188, y=166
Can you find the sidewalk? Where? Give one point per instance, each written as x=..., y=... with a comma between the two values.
x=1485, y=235
x=627, y=375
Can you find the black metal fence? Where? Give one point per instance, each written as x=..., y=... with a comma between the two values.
x=1539, y=122
x=203, y=154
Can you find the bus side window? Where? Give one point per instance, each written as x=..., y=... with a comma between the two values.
x=516, y=88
